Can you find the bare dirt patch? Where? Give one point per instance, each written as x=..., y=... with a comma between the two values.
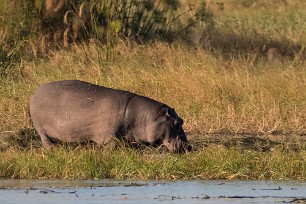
x=250, y=141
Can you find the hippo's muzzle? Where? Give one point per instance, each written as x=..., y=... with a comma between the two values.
x=178, y=146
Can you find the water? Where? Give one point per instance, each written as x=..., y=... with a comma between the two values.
x=117, y=191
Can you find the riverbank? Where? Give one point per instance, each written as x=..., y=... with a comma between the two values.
x=214, y=157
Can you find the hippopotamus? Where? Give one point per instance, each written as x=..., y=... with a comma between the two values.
x=78, y=111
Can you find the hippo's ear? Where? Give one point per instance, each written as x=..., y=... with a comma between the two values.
x=178, y=122
x=164, y=112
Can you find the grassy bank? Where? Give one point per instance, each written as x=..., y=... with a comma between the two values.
x=225, y=83
x=214, y=162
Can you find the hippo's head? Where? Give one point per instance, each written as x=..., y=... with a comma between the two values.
x=167, y=130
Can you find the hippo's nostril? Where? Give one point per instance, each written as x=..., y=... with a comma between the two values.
x=188, y=148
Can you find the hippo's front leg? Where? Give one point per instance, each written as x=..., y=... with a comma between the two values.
x=45, y=140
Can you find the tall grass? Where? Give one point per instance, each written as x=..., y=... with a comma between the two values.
x=228, y=95
x=251, y=28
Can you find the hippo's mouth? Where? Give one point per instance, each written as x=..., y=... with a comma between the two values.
x=178, y=146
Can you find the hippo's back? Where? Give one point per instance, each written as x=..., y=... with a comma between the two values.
x=75, y=94
x=69, y=108
x=71, y=88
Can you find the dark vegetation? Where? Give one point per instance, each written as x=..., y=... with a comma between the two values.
x=34, y=28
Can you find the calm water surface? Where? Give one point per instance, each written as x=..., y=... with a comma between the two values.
x=127, y=191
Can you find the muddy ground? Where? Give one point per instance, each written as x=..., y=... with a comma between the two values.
x=28, y=138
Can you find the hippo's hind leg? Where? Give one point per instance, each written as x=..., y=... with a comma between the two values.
x=45, y=140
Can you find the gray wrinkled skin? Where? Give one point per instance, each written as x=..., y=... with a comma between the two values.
x=76, y=111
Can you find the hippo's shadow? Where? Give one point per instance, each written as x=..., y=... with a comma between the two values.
x=28, y=138
x=25, y=138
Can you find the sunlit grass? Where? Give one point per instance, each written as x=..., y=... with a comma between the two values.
x=211, y=93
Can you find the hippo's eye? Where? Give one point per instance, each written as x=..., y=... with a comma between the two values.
x=175, y=123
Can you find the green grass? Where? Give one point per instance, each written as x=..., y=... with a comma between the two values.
x=214, y=162
x=224, y=85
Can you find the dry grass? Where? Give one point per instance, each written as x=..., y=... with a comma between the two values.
x=213, y=94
